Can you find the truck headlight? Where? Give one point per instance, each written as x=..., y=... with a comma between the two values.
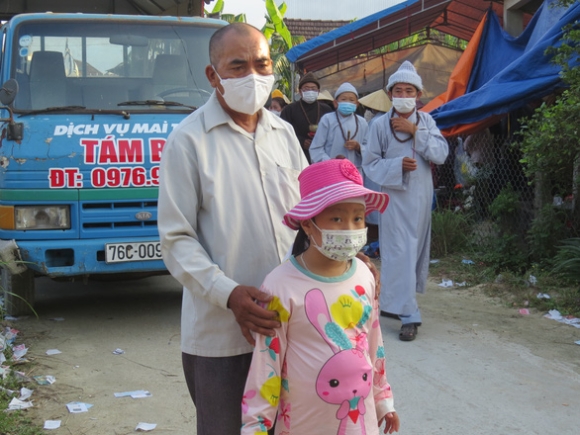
x=42, y=217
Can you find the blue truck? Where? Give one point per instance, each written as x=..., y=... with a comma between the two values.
x=86, y=104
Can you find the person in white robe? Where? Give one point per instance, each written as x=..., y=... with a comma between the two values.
x=400, y=147
x=341, y=133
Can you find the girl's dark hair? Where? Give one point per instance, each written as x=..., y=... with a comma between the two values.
x=301, y=242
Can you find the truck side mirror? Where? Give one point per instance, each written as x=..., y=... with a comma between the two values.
x=8, y=92
x=7, y=95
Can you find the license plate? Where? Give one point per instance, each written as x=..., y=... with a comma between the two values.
x=139, y=251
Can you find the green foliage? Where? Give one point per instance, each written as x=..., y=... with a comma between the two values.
x=281, y=40
x=424, y=36
x=567, y=261
x=505, y=204
x=504, y=210
x=501, y=253
x=550, y=145
x=449, y=232
x=231, y=18
x=275, y=23
x=548, y=226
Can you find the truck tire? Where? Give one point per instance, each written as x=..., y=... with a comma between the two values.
x=18, y=285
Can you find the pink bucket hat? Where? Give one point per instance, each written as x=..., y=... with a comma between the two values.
x=326, y=183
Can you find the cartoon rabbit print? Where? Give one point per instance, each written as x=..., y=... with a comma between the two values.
x=346, y=378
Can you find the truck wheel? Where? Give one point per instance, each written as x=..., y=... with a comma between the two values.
x=18, y=285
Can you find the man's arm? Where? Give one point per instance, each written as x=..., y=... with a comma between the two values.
x=180, y=194
x=429, y=142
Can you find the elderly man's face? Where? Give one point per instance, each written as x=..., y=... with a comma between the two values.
x=242, y=54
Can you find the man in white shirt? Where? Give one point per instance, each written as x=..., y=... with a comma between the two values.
x=229, y=172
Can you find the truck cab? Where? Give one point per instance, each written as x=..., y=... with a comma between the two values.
x=87, y=103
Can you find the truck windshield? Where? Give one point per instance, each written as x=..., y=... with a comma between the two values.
x=101, y=64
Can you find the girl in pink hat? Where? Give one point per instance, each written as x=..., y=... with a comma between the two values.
x=323, y=372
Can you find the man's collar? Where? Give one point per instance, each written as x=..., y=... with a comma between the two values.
x=215, y=115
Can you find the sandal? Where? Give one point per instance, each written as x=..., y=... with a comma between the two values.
x=408, y=332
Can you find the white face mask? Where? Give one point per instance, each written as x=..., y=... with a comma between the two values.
x=246, y=94
x=340, y=245
x=404, y=105
x=309, y=96
x=275, y=112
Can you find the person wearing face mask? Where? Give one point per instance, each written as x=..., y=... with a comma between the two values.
x=229, y=173
x=401, y=145
x=277, y=105
x=324, y=372
x=342, y=133
x=305, y=114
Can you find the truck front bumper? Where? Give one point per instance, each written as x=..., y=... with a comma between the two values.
x=60, y=258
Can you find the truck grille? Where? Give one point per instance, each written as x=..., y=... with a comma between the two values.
x=113, y=219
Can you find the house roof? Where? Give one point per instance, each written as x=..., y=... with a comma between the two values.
x=454, y=17
x=312, y=28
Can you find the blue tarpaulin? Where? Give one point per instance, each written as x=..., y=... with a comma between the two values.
x=509, y=72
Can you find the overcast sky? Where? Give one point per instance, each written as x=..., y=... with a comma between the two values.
x=307, y=9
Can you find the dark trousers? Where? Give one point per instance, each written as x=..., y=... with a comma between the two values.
x=216, y=386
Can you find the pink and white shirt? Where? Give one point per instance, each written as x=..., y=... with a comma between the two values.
x=324, y=370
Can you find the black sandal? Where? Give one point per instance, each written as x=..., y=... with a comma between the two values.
x=408, y=332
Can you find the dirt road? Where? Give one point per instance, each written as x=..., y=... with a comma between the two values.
x=476, y=368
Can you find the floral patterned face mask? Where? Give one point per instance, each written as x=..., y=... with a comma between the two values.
x=340, y=245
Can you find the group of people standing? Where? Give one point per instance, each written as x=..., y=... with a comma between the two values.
x=393, y=156
x=282, y=343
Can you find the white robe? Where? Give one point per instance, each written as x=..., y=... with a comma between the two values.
x=329, y=141
x=405, y=227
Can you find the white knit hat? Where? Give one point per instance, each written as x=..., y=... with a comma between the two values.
x=405, y=74
x=345, y=87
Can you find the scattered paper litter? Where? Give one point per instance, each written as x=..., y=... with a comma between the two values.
x=533, y=280
x=19, y=352
x=137, y=394
x=524, y=311
x=577, y=342
x=145, y=427
x=467, y=261
x=118, y=351
x=53, y=352
x=434, y=261
x=568, y=320
x=76, y=407
x=16, y=404
x=8, y=391
x=446, y=283
x=461, y=284
x=44, y=379
x=543, y=296
x=25, y=393
x=51, y=424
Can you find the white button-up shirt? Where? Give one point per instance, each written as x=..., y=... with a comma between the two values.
x=223, y=193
